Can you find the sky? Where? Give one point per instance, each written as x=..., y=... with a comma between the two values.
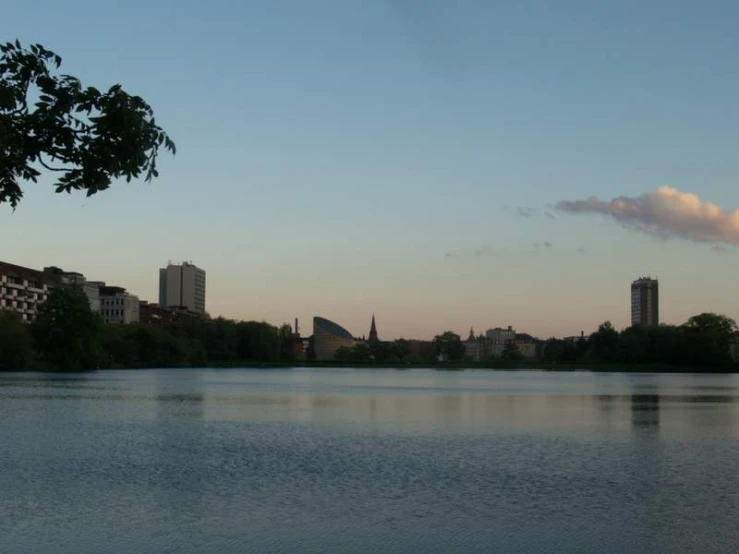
x=445, y=165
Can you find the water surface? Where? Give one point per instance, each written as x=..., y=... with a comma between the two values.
x=368, y=461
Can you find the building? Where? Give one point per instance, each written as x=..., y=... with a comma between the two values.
x=77, y=281
x=301, y=345
x=328, y=337
x=118, y=306
x=421, y=350
x=645, y=302
x=477, y=349
x=575, y=338
x=373, y=337
x=182, y=285
x=734, y=347
x=23, y=290
x=498, y=338
x=528, y=346
x=156, y=315
x=69, y=278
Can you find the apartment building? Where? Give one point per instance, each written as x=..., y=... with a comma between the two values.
x=77, y=281
x=23, y=290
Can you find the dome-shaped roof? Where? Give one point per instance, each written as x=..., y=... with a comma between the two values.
x=331, y=327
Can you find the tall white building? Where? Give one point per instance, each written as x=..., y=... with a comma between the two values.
x=182, y=285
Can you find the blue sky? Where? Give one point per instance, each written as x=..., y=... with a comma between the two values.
x=340, y=157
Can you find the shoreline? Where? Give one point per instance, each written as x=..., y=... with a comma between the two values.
x=439, y=366
x=497, y=366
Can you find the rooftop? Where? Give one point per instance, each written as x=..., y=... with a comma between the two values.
x=331, y=327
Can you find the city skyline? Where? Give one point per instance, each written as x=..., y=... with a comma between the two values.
x=187, y=290
x=445, y=167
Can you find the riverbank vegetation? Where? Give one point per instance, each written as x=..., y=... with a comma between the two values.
x=705, y=340
x=66, y=335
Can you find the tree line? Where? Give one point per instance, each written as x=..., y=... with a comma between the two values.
x=706, y=339
x=67, y=335
x=447, y=346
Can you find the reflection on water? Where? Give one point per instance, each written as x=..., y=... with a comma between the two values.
x=368, y=461
x=645, y=410
x=172, y=401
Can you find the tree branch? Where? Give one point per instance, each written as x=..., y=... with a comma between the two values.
x=41, y=161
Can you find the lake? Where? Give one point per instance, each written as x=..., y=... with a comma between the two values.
x=368, y=461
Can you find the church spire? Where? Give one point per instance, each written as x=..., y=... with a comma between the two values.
x=373, y=331
x=472, y=335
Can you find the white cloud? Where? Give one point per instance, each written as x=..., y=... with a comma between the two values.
x=666, y=213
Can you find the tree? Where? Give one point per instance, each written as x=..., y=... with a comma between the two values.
x=604, y=343
x=120, y=351
x=449, y=345
x=15, y=342
x=706, y=338
x=360, y=353
x=156, y=347
x=66, y=332
x=287, y=343
x=86, y=136
x=402, y=349
x=383, y=351
x=665, y=343
x=554, y=350
x=343, y=354
x=257, y=340
x=721, y=325
x=635, y=344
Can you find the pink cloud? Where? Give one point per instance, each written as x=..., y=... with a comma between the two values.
x=666, y=213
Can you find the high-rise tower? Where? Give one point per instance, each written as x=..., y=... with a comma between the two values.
x=182, y=285
x=645, y=302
